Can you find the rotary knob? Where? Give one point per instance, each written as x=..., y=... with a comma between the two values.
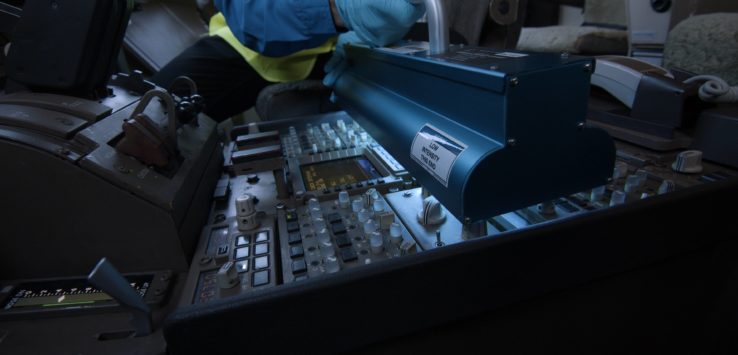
x=227, y=275
x=245, y=205
x=395, y=233
x=376, y=243
x=432, y=212
x=370, y=227
x=357, y=205
x=246, y=212
x=689, y=161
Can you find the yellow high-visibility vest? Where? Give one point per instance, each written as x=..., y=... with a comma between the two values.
x=296, y=66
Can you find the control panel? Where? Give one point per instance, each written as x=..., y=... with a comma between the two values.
x=328, y=198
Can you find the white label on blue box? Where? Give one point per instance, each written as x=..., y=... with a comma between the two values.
x=436, y=152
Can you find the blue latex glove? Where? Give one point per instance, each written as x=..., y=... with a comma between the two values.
x=337, y=64
x=379, y=22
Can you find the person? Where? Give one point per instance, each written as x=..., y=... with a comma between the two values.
x=254, y=43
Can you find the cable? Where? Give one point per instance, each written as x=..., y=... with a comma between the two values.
x=715, y=89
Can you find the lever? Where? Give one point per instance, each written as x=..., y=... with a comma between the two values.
x=105, y=277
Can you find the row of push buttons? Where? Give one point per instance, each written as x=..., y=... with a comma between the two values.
x=294, y=239
x=358, y=185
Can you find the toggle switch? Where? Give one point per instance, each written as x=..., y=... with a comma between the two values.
x=617, y=198
x=666, y=187
x=620, y=170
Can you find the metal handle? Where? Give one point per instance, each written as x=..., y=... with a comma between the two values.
x=107, y=278
x=437, y=26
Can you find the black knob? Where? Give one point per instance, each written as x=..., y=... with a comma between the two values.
x=661, y=5
x=198, y=102
x=185, y=111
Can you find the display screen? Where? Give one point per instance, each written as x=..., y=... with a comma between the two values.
x=338, y=173
x=63, y=294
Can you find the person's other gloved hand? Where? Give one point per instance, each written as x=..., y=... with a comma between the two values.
x=337, y=64
x=379, y=22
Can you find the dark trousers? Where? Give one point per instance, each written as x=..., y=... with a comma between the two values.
x=228, y=84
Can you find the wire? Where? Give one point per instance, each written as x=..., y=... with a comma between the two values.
x=715, y=89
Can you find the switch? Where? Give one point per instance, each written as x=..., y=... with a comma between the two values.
x=617, y=198
x=631, y=183
x=620, y=170
x=597, y=193
x=228, y=275
x=642, y=176
x=666, y=187
x=439, y=240
x=689, y=161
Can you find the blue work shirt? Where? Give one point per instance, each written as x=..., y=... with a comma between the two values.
x=277, y=28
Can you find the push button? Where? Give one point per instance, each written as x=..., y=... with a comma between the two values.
x=242, y=266
x=293, y=227
x=348, y=254
x=333, y=218
x=294, y=237
x=296, y=251
x=262, y=236
x=260, y=278
x=260, y=249
x=261, y=262
x=291, y=215
x=242, y=240
x=343, y=241
x=299, y=266
x=338, y=228
x=242, y=253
